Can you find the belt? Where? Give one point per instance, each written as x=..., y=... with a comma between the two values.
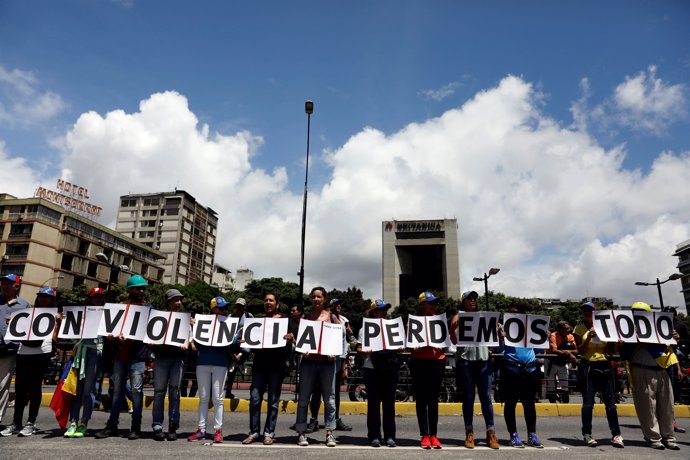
x=649, y=368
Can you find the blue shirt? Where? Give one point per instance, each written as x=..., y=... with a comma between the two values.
x=519, y=356
x=212, y=356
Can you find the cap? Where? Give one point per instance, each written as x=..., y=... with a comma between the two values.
x=335, y=301
x=589, y=305
x=171, y=294
x=96, y=291
x=136, y=281
x=12, y=277
x=467, y=294
x=426, y=297
x=219, y=302
x=241, y=301
x=46, y=291
x=641, y=306
x=379, y=304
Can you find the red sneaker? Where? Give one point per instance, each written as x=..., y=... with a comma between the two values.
x=435, y=443
x=198, y=435
x=426, y=442
x=218, y=437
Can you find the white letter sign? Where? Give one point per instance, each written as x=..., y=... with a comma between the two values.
x=265, y=332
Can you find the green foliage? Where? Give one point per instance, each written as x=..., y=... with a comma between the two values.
x=254, y=291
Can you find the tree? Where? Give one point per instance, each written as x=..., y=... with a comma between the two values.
x=255, y=289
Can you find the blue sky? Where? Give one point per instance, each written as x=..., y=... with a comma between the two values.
x=388, y=65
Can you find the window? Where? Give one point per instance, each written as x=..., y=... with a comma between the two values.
x=128, y=203
x=66, y=263
x=17, y=269
x=149, y=212
x=170, y=212
x=91, y=270
x=84, y=247
x=150, y=201
x=21, y=230
x=146, y=234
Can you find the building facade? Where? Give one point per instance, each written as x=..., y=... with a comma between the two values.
x=177, y=225
x=420, y=255
x=683, y=254
x=222, y=278
x=46, y=245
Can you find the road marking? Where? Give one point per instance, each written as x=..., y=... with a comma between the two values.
x=382, y=448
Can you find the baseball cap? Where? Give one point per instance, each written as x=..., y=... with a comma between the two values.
x=240, y=301
x=426, y=297
x=12, y=277
x=171, y=294
x=219, y=302
x=335, y=301
x=46, y=291
x=96, y=291
x=467, y=294
x=589, y=305
x=379, y=304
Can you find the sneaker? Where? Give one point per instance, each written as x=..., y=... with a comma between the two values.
x=71, y=429
x=302, y=440
x=426, y=442
x=250, y=439
x=375, y=443
x=28, y=430
x=678, y=429
x=469, y=440
x=218, y=437
x=390, y=442
x=172, y=434
x=617, y=441
x=491, y=440
x=533, y=441
x=590, y=441
x=158, y=434
x=9, y=431
x=81, y=431
x=671, y=445
x=134, y=435
x=330, y=440
x=312, y=426
x=108, y=431
x=435, y=443
x=342, y=426
x=198, y=435
x=656, y=445
x=515, y=441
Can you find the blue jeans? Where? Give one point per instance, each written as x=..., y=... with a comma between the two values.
x=263, y=380
x=135, y=372
x=476, y=374
x=598, y=377
x=86, y=387
x=167, y=375
x=310, y=372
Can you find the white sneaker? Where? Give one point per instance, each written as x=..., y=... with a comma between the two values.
x=302, y=440
x=9, y=431
x=28, y=430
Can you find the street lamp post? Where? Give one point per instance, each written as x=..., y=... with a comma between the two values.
x=113, y=268
x=58, y=277
x=308, y=109
x=658, y=284
x=485, y=278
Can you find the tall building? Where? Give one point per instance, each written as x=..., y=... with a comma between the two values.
x=420, y=255
x=177, y=225
x=243, y=276
x=47, y=245
x=683, y=254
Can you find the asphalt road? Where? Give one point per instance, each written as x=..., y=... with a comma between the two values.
x=560, y=435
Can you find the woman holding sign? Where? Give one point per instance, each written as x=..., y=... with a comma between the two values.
x=268, y=371
x=33, y=358
x=314, y=368
x=381, y=379
x=597, y=375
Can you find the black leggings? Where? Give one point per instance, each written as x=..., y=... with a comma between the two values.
x=519, y=386
x=28, y=385
x=427, y=375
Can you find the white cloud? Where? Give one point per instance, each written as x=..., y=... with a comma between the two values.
x=21, y=100
x=16, y=177
x=440, y=93
x=558, y=213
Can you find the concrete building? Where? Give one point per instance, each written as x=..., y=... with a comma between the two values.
x=46, y=245
x=420, y=255
x=683, y=254
x=242, y=277
x=177, y=225
x=222, y=277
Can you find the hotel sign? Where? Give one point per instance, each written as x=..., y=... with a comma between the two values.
x=72, y=198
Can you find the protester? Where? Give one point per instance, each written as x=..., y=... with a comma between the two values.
x=168, y=366
x=9, y=303
x=130, y=363
x=268, y=372
x=211, y=372
x=681, y=349
x=238, y=355
x=381, y=379
x=652, y=388
x=33, y=358
x=427, y=366
x=87, y=361
x=597, y=375
x=474, y=370
x=561, y=343
x=519, y=381
x=317, y=368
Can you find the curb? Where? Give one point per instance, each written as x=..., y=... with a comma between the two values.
x=408, y=408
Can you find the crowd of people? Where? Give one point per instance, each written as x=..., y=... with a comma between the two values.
x=653, y=369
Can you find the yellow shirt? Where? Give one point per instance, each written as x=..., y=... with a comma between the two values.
x=594, y=350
